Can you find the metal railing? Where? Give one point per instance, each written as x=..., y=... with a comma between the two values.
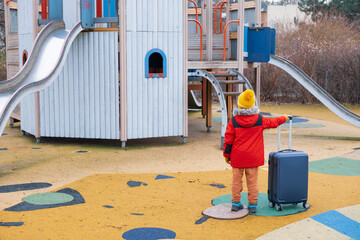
x=201, y=37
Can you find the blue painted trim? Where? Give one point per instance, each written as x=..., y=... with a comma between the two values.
x=112, y=8
x=87, y=10
x=55, y=10
x=340, y=223
x=147, y=56
x=273, y=41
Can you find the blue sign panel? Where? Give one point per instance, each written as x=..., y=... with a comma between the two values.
x=87, y=10
x=259, y=44
x=273, y=41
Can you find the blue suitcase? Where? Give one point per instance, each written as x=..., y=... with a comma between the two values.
x=288, y=176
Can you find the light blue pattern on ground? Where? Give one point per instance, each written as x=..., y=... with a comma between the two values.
x=336, y=166
x=340, y=223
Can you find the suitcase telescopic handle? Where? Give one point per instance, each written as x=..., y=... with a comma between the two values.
x=279, y=134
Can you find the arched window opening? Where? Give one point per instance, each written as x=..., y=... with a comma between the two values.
x=24, y=57
x=155, y=64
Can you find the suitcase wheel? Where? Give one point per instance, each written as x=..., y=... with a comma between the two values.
x=278, y=207
x=271, y=204
x=306, y=205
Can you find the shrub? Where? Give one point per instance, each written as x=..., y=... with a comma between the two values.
x=328, y=51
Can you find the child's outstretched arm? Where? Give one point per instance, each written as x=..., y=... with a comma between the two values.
x=229, y=140
x=274, y=122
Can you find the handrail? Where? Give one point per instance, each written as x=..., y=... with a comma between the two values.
x=196, y=12
x=216, y=7
x=221, y=8
x=232, y=21
x=201, y=36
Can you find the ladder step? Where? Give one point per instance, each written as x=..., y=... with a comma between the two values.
x=231, y=81
x=224, y=75
x=231, y=93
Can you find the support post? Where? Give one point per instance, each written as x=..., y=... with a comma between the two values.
x=209, y=29
x=240, y=42
x=228, y=32
x=203, y=16
x=35, y=10
x=240, y=36
x=203, y=97
x=208, y=106
x=7, y=32
x=185, y=71
x=229, y=100
x=258, y=67
x=257, y=83
x=258, y=13
x=122, y=49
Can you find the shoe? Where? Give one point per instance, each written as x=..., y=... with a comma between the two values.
x=252, y=208
x=236, y=206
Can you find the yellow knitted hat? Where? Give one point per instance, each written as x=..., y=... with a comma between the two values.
x=246, y=99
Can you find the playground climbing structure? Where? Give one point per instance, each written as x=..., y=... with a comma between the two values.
x=122, y=69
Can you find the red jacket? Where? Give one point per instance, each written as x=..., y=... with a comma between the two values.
x=244, y=140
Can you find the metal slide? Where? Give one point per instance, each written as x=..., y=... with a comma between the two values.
x=193, y=102
x=316, y=90
x=46, y=60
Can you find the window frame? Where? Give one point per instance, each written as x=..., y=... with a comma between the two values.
x=147, y=69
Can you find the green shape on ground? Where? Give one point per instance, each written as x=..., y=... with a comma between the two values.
x=48, y=198
x=336, y=166
x=263, y=208
x=217, y=119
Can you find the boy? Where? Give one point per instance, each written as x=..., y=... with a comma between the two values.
x=244, y=147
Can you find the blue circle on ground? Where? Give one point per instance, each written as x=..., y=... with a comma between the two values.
x=149, y=234
x=263, y=208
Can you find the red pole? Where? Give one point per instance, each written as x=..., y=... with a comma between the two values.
x=215, y=20
x=221, y=8
x=44, y=4
x=224, y=53
x=99, y=8
x=201, y=34
x=196, y=13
